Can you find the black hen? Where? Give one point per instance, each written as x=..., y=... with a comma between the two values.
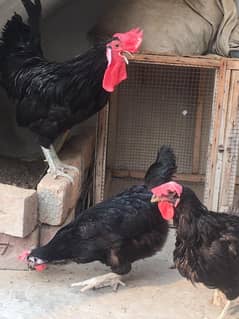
x=116, y=232
x=207, y=243
x=51, y=97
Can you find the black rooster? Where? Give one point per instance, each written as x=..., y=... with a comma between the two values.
x=52, y=97
x=207, y=243
x=116, y=232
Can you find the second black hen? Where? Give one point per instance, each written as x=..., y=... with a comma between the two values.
x=116, y=232
x=207, y=243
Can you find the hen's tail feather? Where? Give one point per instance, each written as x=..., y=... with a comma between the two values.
x=163, y=169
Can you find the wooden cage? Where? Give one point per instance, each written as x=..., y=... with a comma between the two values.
x=190, y=103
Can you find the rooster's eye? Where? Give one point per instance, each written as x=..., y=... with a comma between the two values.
x=117, y=45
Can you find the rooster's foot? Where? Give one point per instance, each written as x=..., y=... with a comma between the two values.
x=60, y=172
x=56, y=167
x=64, y=167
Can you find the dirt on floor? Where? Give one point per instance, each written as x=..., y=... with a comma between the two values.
x=21, y=173
x=152, y=291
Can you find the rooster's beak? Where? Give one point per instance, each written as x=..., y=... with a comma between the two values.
x=126, y=55
x=155, y=199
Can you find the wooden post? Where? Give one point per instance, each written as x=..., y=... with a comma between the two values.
x=230, y=147
x=100, y=154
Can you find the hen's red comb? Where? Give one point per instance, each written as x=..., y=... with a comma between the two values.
x=24, y=255
x=164, y=189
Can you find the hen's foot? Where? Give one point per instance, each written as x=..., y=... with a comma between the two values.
x=224, y=311
x=109, y=280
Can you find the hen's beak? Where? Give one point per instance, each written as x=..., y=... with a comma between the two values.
x=155, y=199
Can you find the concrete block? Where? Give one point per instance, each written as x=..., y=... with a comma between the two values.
x=47, y=232
x=55, y=198
x=11, y=247
x=58, y=196
x=18, y=212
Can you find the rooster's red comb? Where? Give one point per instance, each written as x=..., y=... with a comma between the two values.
x=131, y=40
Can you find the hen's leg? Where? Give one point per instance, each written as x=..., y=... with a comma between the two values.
x=109, y=280
x=224, y=311
x=56, y=167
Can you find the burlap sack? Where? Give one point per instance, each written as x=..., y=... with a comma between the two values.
x=178, y=27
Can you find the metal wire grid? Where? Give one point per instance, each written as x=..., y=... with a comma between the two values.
x=157, y=105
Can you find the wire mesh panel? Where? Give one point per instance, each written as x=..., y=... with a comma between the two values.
x=159, y=104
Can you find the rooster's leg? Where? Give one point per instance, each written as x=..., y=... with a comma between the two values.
x=56, y=167
x=59, y=162
x=109, y=280
x=224, y=311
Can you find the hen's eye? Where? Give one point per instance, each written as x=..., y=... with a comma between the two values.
x=117, y=45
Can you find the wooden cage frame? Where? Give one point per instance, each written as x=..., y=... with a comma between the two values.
x=220, y=178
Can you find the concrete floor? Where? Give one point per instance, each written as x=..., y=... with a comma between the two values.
x=153, y=291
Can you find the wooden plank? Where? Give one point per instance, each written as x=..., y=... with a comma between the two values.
x=121, y=173
x=100, y=157
x=210, y=60
x=194, y=178
x=108, y=179
x=198, y=125
x=231, y=146
x=220, y=143
x=214, y=161
x=113, y=120
x=233, y=64
x=209, y=56
x=178, y=60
